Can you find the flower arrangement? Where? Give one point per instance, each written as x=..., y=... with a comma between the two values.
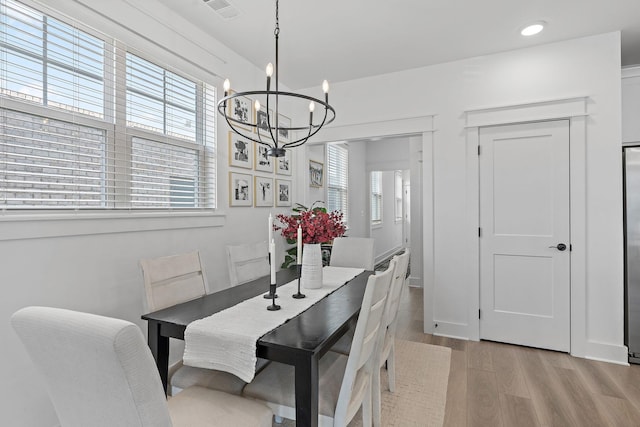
x=318, y=226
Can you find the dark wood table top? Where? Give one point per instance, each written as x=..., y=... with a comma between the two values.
x=313, y=331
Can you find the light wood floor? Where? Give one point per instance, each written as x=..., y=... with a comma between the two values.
x=493, y=384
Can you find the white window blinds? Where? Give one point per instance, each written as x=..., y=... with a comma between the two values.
x=86, y=124
x=337, y=179
x=376, y=197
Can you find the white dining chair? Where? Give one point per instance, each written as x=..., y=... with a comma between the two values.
x=345, y=382
x=387, y=343
x=171, y=280
x=99, y=372
x=247, y=262
x=357, y=252
x=389, y=326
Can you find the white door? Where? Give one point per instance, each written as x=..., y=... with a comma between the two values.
x=524, y=234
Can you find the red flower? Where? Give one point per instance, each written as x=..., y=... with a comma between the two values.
x=318, y=225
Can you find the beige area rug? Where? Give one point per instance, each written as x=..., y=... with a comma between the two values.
x=422, y=376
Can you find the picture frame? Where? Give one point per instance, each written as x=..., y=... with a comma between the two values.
x=240, y=189
x=283, y=164
x=241, y=109
x=263, y=162
x=283, y=135
x=262, y=118
x=264, y=191
x=316, y=173
x=283, y=192
x=241, y=151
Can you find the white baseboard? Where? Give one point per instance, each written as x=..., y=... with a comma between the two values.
x=604, y=352
x=450, y=330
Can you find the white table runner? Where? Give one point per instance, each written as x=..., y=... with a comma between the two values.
x=227, y=340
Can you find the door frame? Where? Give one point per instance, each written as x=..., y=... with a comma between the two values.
x=574, y=110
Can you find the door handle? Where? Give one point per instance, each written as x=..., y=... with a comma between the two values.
x=561, y=247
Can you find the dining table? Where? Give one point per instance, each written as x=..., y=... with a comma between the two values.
x=299, y=342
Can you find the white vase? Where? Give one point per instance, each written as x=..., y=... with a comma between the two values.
x=311, y=275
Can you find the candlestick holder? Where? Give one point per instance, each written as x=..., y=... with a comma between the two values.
x=272, y=291
x=299, y=295
x=270, y=295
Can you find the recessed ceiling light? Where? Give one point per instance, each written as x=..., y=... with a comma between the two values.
x=533, y=29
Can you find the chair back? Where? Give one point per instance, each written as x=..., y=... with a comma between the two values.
x=98, y=371
x=356, y=252
x=395, y=294
x=174, y=279
x=356, y=384
x=247, y=262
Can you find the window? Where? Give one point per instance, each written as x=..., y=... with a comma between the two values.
x=376, y=197
x=337, y=178
x=87, y=124
x=397, y=177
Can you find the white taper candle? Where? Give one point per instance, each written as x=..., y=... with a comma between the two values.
x=272, y=252
x=299, y=245
x=270, y=228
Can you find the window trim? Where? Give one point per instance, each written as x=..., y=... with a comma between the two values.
x=378, y=222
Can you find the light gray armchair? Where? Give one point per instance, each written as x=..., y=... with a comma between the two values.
x=99, y=372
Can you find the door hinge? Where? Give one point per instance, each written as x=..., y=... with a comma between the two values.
x=479, y=314
x=479, y=232
x=478, y=150
x=570, y=247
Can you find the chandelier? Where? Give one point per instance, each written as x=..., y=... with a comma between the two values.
x=263, y=127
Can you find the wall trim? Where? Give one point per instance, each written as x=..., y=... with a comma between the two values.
x=528, y=112
x=451, y=330
x=631, y=72
x=611, y=353
x=381, y=128
x=18, y=226
x=574, y=109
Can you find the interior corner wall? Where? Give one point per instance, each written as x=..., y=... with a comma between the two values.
x=588, y=67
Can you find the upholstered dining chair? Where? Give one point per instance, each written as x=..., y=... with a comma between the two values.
x=345, y=382
x=247, y=262
x=99, y=372
x=171, y=280
x=357, y=252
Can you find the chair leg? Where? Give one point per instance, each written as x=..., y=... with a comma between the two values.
x=391, y=368
x=376, y=398
x=366, y=408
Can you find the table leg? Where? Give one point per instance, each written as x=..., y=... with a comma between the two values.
x=159, y=346
x=307, y=391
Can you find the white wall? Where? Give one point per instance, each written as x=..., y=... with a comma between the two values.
x=582, y=67
x=90, y=262
x=358, y=190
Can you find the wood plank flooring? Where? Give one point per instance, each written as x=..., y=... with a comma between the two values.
x=500, y=385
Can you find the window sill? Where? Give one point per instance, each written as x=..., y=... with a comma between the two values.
x=376, y=225
x=21, y=225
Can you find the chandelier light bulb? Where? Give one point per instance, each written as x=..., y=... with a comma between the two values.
x=325, y=86
x=269, y=69
x=226, y=85
x=257, y=105
x=312, y=106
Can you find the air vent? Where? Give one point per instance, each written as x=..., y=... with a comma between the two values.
x=223, y=8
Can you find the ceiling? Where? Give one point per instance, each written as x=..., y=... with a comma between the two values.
x=342, y=40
